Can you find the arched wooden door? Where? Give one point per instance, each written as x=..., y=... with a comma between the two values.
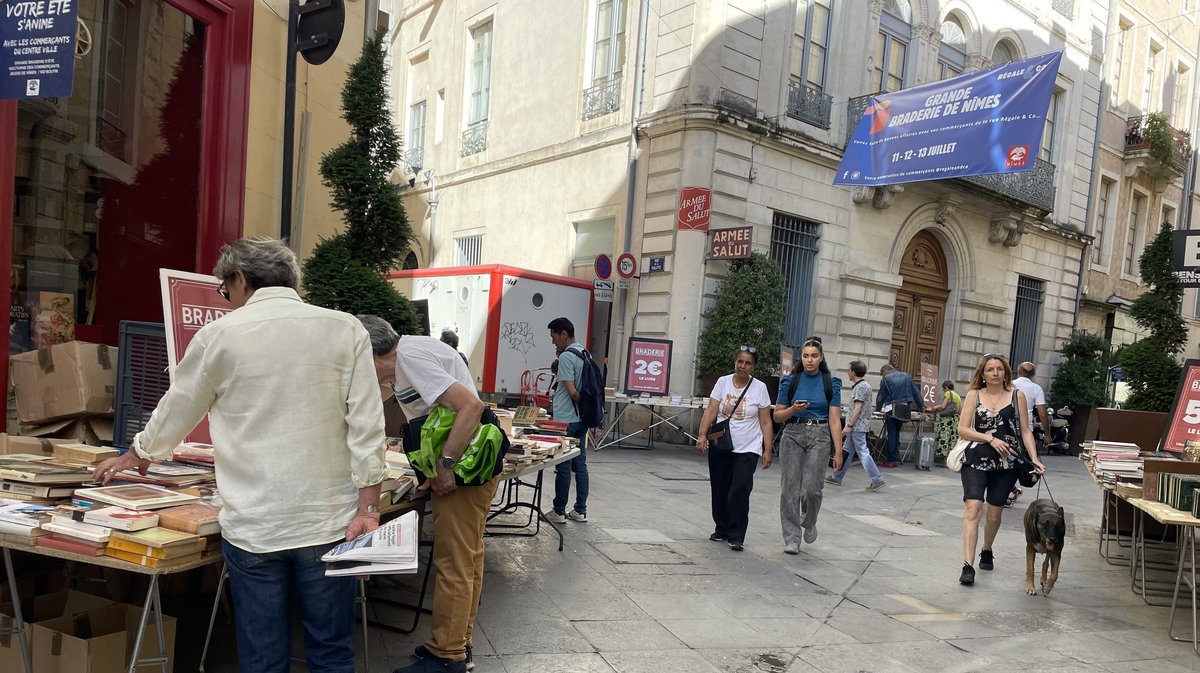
x=920, y=305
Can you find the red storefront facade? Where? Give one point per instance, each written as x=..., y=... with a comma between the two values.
x=143, y=166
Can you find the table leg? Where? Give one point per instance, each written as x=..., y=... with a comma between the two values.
x=19, y=625
x=417, y=608
x=212, y=619
x=1187, y=548
x=152, y=604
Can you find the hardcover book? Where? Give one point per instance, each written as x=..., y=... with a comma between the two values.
x=119, y=518
x=38, y=471
x=135, y=496
x=156, y=552
x=84, y=453
x=148, y=561
x=56, y=541
x=157, y=537
x=197, y=518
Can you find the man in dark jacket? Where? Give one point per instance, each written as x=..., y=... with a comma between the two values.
x=896, y=387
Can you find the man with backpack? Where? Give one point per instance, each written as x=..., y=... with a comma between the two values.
x=573, y=402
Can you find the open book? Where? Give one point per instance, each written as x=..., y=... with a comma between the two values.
x=388, y=550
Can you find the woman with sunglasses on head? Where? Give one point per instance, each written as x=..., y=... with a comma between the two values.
x=744, y=400
x=991, y=421
x=809, y=403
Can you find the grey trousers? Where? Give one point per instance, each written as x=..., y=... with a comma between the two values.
x=803, y=455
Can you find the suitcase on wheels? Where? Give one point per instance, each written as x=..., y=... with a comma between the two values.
x=925, y=455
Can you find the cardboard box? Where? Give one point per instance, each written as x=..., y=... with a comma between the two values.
x=93, y=430
x=98, y=641
x=39, y=609
x=10, y=444
x=71, y=379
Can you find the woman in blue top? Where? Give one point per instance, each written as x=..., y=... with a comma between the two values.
x=810, y=404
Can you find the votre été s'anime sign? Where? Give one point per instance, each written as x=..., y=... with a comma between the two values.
x=983, y=122
x=37, y=48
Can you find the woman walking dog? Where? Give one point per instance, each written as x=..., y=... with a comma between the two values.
x=992, y=420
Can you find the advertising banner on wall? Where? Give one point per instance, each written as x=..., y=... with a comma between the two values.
x=37, y=48
x=980, y=123
x=190, y=301
x=648, y=368
x=1185, y=257
x=695, y=207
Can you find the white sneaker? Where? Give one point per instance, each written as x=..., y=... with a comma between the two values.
x=555, y=517
x=791, y=548
x=577, y=516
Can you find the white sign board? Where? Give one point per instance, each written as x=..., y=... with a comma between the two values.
x=624, y=283
x=602, y=290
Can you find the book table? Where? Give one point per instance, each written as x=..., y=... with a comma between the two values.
x=153, y=604
x=1186, y=526
x=662, y=413
x=510, y=498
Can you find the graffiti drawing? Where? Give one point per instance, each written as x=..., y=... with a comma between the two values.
x=518, y=337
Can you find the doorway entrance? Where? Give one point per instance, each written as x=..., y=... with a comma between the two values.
x=920, y=305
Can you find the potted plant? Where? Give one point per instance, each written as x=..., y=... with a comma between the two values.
x=1081, y=381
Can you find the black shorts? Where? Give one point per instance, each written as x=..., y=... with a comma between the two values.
x=996, y=483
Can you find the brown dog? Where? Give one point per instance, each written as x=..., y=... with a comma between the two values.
x=1045, y=532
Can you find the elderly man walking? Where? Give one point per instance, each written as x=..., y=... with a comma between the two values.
x=293, y=407
x=896, y=388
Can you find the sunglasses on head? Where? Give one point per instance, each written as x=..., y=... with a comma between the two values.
x=993, y=356
x=747, y=349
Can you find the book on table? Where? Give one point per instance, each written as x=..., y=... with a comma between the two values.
x=135, y=496
x=150, y=561
x=159, y=538
x=197, y=518
x=20, y=467
x=17, y=488
x=23, y=519
x=63, y=524
x=130, y=547
x=389, y=549
x=119, y=518
x=66, y=543
x=84, y=453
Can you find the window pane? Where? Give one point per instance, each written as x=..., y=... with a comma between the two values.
x=896, y=59
x=820, y=25
x=816, y=67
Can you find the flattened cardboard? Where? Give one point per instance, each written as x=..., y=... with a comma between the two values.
x=64, y=380
x=93, y=430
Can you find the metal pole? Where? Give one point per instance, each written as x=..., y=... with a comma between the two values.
x=289, y=123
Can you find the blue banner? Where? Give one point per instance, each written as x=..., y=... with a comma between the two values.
x=37, y=48
x=983, y=122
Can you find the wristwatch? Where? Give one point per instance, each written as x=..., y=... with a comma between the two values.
x=448, y=462
x=371, y=509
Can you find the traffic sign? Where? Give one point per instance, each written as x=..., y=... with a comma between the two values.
x=603, y=266
x=626, y=265
x=602, y=290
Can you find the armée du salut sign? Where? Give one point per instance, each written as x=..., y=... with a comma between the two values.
x=983, y=122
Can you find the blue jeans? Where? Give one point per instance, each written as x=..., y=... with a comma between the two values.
x=858, y=440
x=562, y=475
x=893, y=437
x=263, y=586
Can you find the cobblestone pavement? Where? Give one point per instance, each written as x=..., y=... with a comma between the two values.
x=640, y=589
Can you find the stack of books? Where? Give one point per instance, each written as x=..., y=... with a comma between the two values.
x=40, y=479
x=1114, y=462
x=154, y=547
x=1178, y=490
x=22, y=521
x=68, y=531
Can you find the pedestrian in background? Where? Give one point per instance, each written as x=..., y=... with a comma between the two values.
x=947, y=418
x=898, y=395
x=809, y=403
x=743, y=400
x=857, y=427
x=993, y=420
x=450, y=338
x=565, y=407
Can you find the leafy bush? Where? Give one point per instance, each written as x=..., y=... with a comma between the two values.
x=749, y=309
x=1081, y=380
x=345, y=272
x=1149, y=363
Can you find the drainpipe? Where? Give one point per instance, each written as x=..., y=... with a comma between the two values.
x=639, y=67
x=1091, y=203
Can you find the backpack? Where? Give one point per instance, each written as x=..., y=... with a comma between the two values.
x=591, y=391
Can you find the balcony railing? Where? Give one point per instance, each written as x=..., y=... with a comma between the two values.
x=602, y=99
x=1138, y=143
x=415, y=157
x=809, y=105
x=1032, y=188
x=474, y=139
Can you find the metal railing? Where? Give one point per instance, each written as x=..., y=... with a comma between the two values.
x=1137, y=143
x=855, y=107
x=809, y=105
x=415, y=158
x=602, y=99
x=474, y=139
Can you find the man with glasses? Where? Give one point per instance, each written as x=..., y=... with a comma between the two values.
x=291, y=397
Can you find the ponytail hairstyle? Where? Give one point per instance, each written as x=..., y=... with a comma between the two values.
x=814, y=342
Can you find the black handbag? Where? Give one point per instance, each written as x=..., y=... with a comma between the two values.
x=720, y=441
x=1027, y=474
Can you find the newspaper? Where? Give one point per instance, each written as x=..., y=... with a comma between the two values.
x=389, y=549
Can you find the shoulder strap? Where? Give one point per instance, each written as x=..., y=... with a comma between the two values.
x=792, y=386
x=828, y=381
x=1016, y=408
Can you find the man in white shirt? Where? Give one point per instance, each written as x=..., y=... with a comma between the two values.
x=425, y=373
x=1034, y=396
x=293, y=407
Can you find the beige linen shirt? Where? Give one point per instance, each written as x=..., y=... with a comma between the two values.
x=294, y=415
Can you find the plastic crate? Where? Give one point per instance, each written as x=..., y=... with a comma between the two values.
x=142, y=377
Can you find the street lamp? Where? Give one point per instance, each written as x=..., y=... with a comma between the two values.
x=432, y=200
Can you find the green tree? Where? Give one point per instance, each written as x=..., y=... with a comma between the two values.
x=749, y=309
x=1149, y=363
x=345, y=272
x=1081, y=379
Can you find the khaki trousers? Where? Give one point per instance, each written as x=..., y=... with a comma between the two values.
x=458, y=521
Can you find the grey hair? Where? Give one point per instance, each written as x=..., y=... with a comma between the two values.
x=886, y=368
x=450, y=338
x=383, y=337
x=265, y=262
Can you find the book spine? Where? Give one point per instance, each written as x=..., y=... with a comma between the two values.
x=134, y=548
x=148, y=561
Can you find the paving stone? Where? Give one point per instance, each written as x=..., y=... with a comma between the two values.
x=628, y=635
x=536, y=637
x=676, y=661
x=597, y=607
x=553, y=663
x=718, y=633
x=678, y=606
x=637, y=535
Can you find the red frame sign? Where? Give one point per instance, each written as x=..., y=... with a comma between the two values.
x=1185, y=412
x=190, y=301
x=648, y=366
x=695, y=205
x=929, y=385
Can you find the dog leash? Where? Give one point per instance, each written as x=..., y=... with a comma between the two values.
x=1039, y=491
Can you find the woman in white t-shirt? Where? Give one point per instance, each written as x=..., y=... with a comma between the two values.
x=731, y=474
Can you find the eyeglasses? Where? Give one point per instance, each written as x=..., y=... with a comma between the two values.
x=747, y=349
x=222, y=291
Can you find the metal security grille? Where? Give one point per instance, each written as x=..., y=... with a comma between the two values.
x=1031, y=294
x=470, y=250
x=142, y=377
x=794, y=246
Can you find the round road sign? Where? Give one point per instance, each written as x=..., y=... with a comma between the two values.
x=626, y=265
x=603, y=267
